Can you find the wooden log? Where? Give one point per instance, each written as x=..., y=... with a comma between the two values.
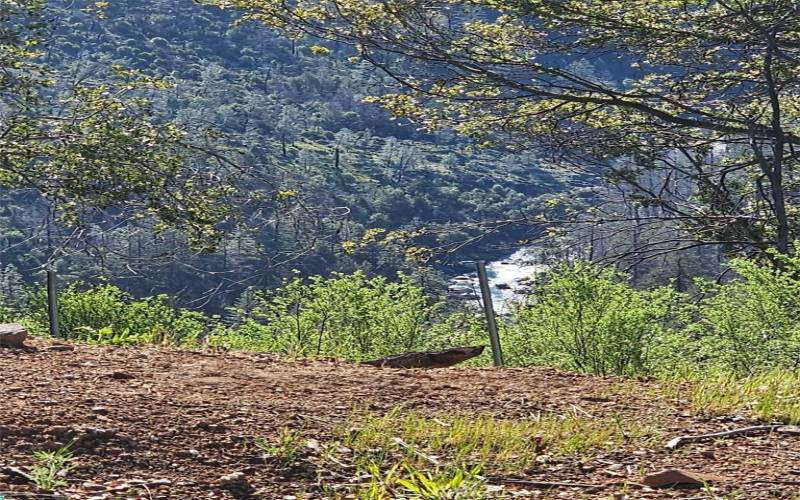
x=431, y=359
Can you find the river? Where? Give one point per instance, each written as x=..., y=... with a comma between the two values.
x=508, y=279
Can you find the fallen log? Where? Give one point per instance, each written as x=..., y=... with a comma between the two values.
x=430, y=359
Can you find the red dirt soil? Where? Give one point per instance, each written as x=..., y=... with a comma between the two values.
x=156, y=422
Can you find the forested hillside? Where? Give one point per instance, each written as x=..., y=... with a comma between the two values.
x=319, y=166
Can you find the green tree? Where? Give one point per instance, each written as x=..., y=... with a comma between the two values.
x=96, y=146
x=711, y=94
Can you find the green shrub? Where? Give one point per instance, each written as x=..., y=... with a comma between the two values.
x=588, y=319
x=347, y=316
x=106, y=314
x=752, y=324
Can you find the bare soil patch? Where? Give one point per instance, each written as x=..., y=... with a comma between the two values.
x=156, y=422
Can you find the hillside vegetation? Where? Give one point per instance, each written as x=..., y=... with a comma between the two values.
x=236, y=203
x=317, y=167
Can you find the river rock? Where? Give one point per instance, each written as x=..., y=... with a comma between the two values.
x=12, y=335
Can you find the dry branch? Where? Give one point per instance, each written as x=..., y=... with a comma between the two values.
x=543, y=484
x=756, y=429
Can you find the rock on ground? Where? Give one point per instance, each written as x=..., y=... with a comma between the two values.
x=12, y=335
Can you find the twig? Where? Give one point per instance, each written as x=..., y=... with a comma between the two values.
x=681, y=440
x=774, y=481
x=22, y=494
x=414, y=450
x=543, y=484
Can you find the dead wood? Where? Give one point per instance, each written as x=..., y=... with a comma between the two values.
x=755, y=429
x=775, y=481
x=430, y=359
x=543, y=484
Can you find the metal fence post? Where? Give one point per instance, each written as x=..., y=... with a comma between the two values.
x=488, y=308
x=52, y=302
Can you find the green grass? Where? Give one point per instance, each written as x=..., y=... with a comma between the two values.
x=498, y=445
x=406, y=481
x=285, y=449
x=769, y=396
x=406, y=454
x=52, y=467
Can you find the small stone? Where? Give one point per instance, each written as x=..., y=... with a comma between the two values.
x=100, y=410
x=119, y=487
x=51, y=445
x=211, y=427
x=677, y=478
x=59, y=430
x=119, y=375
x=12, y=335
x=233, y=480
x=88, y=485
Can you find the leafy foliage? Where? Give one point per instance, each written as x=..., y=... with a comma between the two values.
x=91, y=145
x=588, y=319
x=751, y=324
x=105, y=314
x=231, y=104
x=726, y=79
x=582, y=318
x=345, y=316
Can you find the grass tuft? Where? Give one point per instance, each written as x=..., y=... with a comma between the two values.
x=52, y=467
x=499, y=445
x=285, y=449
x=768, y=396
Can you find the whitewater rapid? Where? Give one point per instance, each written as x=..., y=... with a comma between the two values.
x=508, y=279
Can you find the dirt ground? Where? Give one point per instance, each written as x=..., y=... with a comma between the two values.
x=155, y=422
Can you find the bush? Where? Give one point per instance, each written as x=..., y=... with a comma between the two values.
x=583, y=318
x=106, y=314
x=588, y=319
x=752, y=324
x=347, y=316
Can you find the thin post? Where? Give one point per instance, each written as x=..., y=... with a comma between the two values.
x=52, y=302
x=488, y=308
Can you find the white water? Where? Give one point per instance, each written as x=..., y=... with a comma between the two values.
x=512, y=274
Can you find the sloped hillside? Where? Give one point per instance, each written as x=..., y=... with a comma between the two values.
x=153, y=422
